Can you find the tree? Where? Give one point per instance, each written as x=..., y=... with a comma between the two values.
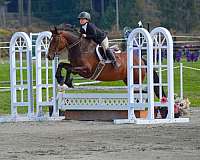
x=2, y=2
x=3, y=12
x=180, y=15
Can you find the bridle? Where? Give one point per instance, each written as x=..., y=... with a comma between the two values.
x=67, y=45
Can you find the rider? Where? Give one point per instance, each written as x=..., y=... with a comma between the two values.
x=90, y=31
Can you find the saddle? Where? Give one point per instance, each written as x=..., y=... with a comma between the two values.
x=103, y=56
x=103, y=59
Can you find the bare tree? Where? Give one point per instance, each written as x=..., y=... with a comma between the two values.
x=3, y=11
x=29, y=13
x=21, y=11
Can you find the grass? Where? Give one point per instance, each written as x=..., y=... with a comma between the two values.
x=5, y=32
x=191, y=84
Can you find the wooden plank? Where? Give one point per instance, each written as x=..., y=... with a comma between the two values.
x=100, y=115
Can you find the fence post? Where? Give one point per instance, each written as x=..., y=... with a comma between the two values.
x=181, y=80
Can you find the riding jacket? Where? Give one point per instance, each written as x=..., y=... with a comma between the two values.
x=92, y=32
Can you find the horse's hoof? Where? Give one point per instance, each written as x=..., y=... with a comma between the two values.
x=69, y=83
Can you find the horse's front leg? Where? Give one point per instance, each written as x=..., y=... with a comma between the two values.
x=68, y=79
x=83, y=71
x=60, y=78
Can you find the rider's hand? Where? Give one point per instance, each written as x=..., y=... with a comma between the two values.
x=84, y=35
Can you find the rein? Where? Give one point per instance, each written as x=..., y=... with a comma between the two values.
x=67, y=44
x=74, y=44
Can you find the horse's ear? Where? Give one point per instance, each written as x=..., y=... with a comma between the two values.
x=56, y=30
x=50, y=29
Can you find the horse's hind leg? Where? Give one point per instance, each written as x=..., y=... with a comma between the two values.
x=156, y=88
x=156, y=80
x=163, y=110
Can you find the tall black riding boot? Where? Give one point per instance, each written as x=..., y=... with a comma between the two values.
x=112, y=57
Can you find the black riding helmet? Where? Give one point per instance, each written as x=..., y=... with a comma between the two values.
x=85, y=15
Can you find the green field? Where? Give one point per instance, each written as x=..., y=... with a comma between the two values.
x=191, y=85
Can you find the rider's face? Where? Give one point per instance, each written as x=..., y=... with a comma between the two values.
x=83, y=21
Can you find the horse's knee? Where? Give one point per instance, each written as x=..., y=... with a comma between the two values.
x=61, y=64
x=59, y=77
x=60, y=80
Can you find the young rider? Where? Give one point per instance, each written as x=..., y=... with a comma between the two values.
x=90, y=31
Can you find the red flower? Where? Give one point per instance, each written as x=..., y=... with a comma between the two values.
x=163, y=100
x=176, y=108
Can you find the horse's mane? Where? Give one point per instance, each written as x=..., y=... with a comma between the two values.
x=73, y=29
x=75, y=32
x=69, y=28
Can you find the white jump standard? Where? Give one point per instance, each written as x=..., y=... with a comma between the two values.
x=21, y=45
x=160, y=39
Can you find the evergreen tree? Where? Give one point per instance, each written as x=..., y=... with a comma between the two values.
x=179, y=15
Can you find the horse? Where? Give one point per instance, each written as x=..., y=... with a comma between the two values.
x=84, y=61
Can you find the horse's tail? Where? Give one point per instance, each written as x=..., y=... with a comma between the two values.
x=156, y=80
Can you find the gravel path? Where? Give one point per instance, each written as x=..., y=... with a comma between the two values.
x=87, y=140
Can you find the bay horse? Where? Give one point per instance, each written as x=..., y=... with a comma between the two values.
x=83, y=60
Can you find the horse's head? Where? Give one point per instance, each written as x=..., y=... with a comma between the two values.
x=57, y=44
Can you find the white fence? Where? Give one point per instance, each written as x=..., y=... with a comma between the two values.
x=21, y=47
